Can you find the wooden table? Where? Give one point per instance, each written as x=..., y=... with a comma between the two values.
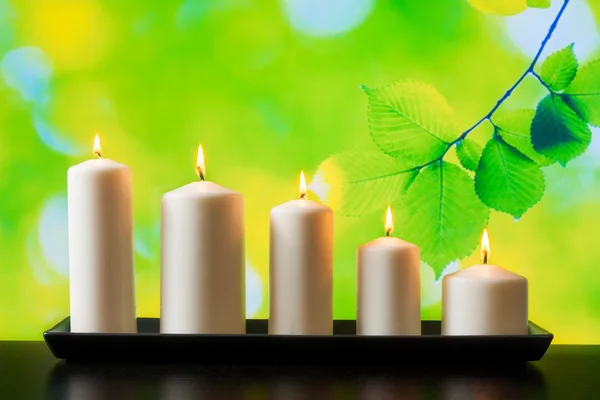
x=28, y=372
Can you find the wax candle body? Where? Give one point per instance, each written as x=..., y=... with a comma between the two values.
x=202, y=260
x=101, y=266
x=484, y=300
x=301, y=269
x=389, y=288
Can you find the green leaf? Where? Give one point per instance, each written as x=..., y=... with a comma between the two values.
x=441, y=213
x=411, y=121
x=361, y=182
x=559, y=69
x=583, y=94
x=557, y=132
x=538, y=3
x=507, y=180
x=515, y=128
x=468, y=152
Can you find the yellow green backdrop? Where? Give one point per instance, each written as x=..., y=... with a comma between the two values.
x=366, y=96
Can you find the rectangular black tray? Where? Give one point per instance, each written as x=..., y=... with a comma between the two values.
x=256, y=347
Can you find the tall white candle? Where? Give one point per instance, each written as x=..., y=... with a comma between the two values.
x=484, y=300
x=389, y=286
x=202, y=263
x=101, y=268
x=301, y=267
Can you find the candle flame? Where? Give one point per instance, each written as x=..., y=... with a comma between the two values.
x=485, y=246
x=389, y=221
x=302, y=185
x=200, y=168
x=97, y=149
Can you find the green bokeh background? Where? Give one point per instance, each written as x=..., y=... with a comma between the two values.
x=269, y=88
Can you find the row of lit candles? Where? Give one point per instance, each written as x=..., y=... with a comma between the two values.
x=203, y=266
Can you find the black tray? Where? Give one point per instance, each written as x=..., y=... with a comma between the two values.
x=344, y=347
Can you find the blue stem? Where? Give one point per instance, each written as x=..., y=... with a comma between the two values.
x=541, y=81
x=528, y=71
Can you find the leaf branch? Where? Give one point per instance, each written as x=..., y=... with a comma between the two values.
x=529, y=71
x=541, y=81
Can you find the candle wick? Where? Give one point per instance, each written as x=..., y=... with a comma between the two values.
x=387, y=232
x=303, y=196
x=98, y=154
x=485, y=257
x=200, y=174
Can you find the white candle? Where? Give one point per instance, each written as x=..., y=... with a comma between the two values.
x=484, y=299
x=301, y=267
x=101, y=268
x=202, y=263
x=389, y=286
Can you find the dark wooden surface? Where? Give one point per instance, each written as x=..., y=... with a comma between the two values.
x=29, y=372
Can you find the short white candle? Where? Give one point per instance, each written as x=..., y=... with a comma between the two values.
x=101, y=267
x=202, y=260
x=301, y=267
x=484, y=299
x=389, y=286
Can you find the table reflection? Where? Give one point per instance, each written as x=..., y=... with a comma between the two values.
x=300, y=387
x=79, y=382
x=190, y=387
x=88, y=388
x=388, y=389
